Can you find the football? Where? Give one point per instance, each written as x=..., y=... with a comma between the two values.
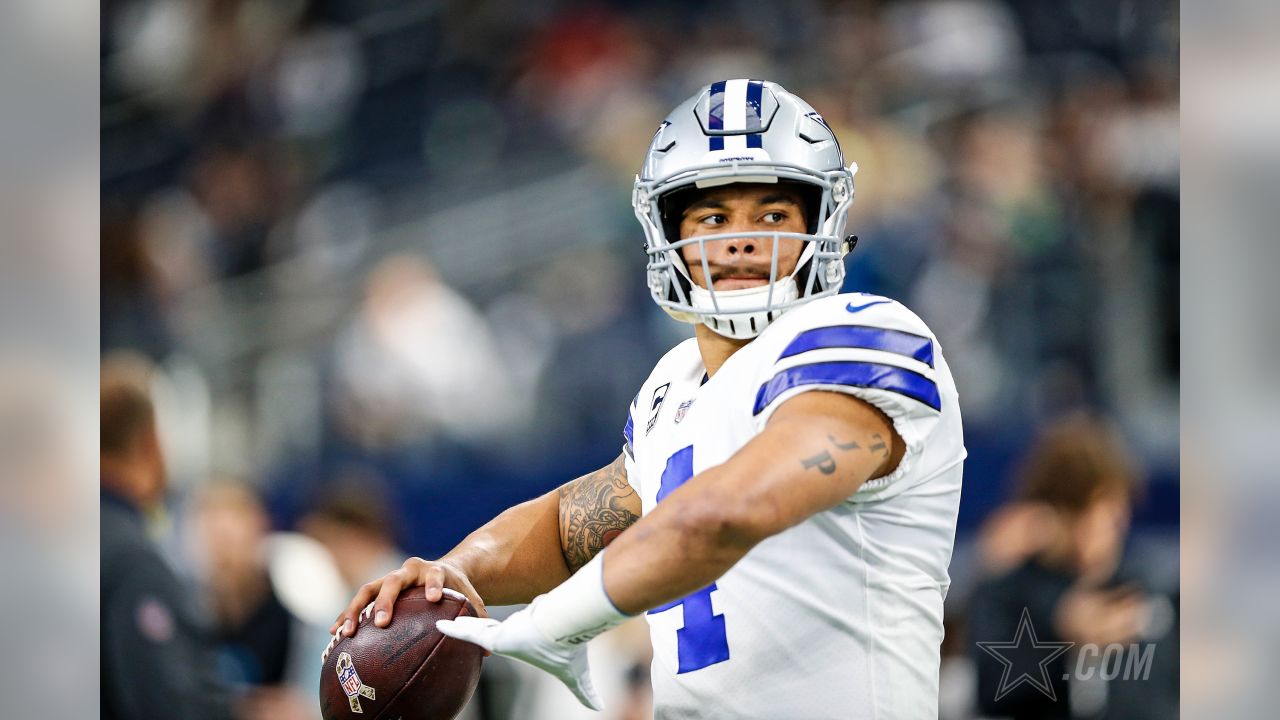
x=406, y=671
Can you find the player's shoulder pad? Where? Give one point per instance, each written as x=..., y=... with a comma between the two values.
x=855, y=309
x=677, y=358
x=866, y=345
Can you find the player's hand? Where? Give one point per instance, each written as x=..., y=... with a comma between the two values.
x=518, y=638
x=434, y=576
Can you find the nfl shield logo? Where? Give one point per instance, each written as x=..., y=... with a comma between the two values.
x=350, y=681
x=683, y=410
x=351, y=684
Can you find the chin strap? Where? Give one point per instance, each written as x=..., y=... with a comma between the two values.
x=739, y=325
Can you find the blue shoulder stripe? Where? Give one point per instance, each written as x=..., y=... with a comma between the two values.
x=854, y=374
x=628, y=432
x=861, y=336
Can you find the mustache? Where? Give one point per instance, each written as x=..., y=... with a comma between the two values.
x=720, y=272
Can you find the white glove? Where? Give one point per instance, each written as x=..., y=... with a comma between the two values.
x=518, y=638
x=552, y=633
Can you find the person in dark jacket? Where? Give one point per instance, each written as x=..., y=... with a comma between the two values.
x=1059, y=588
x=156, y=659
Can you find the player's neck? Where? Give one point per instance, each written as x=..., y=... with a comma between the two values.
x=715, y=348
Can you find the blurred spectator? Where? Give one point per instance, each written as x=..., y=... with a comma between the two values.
x=257, y=635
x=131, y=314
x=1066, y=536
x=157, y=661
x=418, y=360
x=355, y=524
x=242, y=199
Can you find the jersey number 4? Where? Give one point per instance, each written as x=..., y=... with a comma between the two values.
x=702, y=641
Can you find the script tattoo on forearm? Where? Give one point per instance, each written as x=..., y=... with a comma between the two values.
x=826, y=464
x=593, y=512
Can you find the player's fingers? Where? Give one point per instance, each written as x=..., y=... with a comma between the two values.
x=464, y=586
x=349, y=618
x=587, y=696
x=383, y=605
x=584, y=690
x=433, y=582
x=577, y=676
x=479, y=631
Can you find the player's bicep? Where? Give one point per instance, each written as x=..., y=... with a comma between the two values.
x=851, y=438
x=594, y=509
x=879, y=353
x=817, y=449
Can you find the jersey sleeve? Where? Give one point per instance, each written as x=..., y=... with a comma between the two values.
x=876, y=350
x=629, y=444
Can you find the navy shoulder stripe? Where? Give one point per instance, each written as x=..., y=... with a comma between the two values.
x=628, y=433
x=865, y=337
x=854, y=374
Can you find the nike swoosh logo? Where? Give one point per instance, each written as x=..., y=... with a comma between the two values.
x=857, y=308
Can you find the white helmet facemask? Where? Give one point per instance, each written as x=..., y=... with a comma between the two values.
x=744, y=131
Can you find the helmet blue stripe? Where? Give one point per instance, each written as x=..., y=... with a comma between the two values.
x=715, y=107
x=715, y=115
x=755, y=89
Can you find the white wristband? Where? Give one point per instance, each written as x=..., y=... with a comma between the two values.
x=579, y=609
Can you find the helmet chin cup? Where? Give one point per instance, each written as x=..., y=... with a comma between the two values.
x=748, y=321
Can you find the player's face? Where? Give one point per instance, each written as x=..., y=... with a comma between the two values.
x=737, y=263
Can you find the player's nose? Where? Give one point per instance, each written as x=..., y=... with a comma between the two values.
x=739, y=246
x=742, y=246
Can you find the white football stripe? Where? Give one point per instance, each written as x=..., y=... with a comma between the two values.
x=735, y=106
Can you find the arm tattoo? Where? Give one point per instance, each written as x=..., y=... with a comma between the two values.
x=826, y=464
x=851, y=445
x=878, y=446
x=593, y=511
x=823, y=461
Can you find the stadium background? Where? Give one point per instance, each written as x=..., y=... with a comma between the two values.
x=385, y=250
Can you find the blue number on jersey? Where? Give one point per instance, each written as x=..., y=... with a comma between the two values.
x=702, y=641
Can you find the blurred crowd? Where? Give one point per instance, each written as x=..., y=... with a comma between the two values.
x=383, y=256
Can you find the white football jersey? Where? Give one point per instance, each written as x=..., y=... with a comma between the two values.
x=841, y=615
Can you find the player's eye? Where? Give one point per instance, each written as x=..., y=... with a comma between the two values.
x=716, y=219
x=774, y=217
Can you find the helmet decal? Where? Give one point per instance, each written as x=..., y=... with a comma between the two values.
x=735, y=106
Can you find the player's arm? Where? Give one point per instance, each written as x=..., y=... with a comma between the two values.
x=535, y=546
x=522, y=553
x=817, y=449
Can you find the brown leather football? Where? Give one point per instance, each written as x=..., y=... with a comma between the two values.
x=406, y=671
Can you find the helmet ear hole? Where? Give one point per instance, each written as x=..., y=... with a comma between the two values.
x=811, y=196
x=671, y=208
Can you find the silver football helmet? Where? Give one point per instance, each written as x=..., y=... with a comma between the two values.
x=743, y=131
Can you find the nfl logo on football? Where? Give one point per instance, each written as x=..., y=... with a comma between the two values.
x=350, y=681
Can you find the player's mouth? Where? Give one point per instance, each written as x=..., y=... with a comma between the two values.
x=738, y=279
x=740, y=283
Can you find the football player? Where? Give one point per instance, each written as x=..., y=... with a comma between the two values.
x=784, y=506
